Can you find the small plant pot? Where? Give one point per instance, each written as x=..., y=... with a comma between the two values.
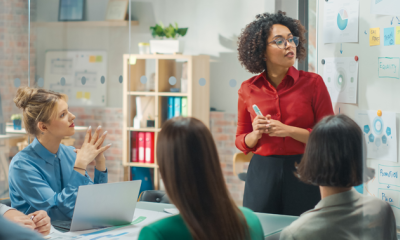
x=17, y=124
x=166, y=46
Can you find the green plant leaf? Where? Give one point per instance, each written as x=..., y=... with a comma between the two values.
x=162, y=24
x=176, y=26
x=182, y=31
x=170, y=31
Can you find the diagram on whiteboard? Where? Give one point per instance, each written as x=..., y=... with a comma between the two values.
x=340, y=77
x=341, y=21
x=379, y=130
x=77, y=74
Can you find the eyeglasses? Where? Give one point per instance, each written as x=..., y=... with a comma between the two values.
x=282, y=42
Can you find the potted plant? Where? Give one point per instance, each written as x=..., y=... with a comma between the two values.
x=167, y=38
x=16, y=118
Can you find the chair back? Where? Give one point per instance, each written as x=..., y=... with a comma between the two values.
x=157, y=196
x=239, y=159
x=6, y=201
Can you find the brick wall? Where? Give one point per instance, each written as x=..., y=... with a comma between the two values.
x=14, y=51
x=223, y=129
x=110, y=120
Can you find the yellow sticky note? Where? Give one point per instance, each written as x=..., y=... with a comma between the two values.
x=79, y=95
x=397, y=35
x=99, y=58
x=374, y=37
x=87, y=95
x=92, y=58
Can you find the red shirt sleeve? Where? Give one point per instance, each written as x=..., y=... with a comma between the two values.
x=322, y=104
x=244, y=124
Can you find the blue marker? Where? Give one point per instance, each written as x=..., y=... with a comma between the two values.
x=257, y=110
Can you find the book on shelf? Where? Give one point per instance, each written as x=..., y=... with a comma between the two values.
x=184, y=107
x=170, y=107
x=149, y=144
x=141, y=147
x=177, y=106
x=134, y=150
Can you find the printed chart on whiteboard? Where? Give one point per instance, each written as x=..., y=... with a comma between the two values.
x=341, y=21
x=78, y=74
x=340, y=77
x=379, y=130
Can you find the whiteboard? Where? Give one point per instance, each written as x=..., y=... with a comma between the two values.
x=81, y=75
x=374, y=92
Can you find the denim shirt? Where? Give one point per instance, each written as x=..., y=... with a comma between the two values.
x=41, y=180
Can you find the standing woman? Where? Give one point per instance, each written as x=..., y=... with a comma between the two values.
x=291, y=103
x=46, y=174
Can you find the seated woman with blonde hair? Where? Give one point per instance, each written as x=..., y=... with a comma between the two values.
x=191, y=171
x=46, y=174
x=334, y=160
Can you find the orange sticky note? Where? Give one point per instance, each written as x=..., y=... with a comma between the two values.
x=92, y=58
x=374, y=37
x=87, y=95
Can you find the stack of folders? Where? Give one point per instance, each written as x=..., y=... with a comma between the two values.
x=142, y=147
x=177, y=106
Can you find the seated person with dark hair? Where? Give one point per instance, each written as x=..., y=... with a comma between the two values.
x=334, y=160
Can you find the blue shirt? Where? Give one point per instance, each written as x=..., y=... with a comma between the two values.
x=41, y=180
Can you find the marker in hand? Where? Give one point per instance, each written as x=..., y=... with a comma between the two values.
x=257, y=110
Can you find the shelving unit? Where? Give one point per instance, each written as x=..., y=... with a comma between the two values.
x=161, y=68
x=85, y=24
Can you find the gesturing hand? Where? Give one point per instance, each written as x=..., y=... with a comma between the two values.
x=278, y=129
x=90, y=148
x=260, y=125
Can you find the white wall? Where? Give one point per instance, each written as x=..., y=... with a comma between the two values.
x=213, y=29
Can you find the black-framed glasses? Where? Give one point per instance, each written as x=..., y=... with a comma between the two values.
x=282, y=42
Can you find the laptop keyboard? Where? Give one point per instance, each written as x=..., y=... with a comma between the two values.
x=62, y=226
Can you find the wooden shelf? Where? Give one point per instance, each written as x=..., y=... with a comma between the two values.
x=132, y=93
x=172, y=94
x=85, y=24
x=138, y=164
x=144, y=129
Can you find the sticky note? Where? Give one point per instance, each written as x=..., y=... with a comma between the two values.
x=79, y=95
x=398, y=35
x=87, y=95
x=132, y=60
x=92, y=59
x=374, y=37
x=99, y=58
x=388, y=36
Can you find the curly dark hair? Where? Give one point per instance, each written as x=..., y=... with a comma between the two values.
x=253, y=39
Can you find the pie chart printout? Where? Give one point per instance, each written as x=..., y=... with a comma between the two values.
x=342, y=19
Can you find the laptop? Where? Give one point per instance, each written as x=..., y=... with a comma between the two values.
x=102, y=205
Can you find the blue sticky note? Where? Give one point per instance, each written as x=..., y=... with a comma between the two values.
x=388, y=36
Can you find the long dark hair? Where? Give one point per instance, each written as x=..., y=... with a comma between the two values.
x=191, y=171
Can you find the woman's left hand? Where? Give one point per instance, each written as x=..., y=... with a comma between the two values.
x=278, y=129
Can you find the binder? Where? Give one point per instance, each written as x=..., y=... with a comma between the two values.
x=184, y=107
x=170, y=107
x=141, y=144
x=134, y=147
x=149, y=144
x=177, y=106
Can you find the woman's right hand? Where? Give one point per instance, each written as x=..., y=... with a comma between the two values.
x=90, y=148
x=260, y=125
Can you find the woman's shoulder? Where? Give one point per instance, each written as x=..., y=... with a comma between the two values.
x=251, y=80
x=253, y=222
x=311, y=77
x=172, y=227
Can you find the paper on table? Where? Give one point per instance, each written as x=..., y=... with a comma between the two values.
x=171, y=210
x=341, y=21
x=380, y=134
x=340, y=77
x=142, y=218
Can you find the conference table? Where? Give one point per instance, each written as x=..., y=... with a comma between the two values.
x=272, y=224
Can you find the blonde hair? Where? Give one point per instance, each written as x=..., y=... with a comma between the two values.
x=38, y=105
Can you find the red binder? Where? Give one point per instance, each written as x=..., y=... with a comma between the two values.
x=141, y=146
x=134, y=147
x=149, y=152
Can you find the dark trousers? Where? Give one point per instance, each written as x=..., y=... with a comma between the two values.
x=271, y=187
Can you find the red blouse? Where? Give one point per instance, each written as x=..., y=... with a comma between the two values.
x=300, y=100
